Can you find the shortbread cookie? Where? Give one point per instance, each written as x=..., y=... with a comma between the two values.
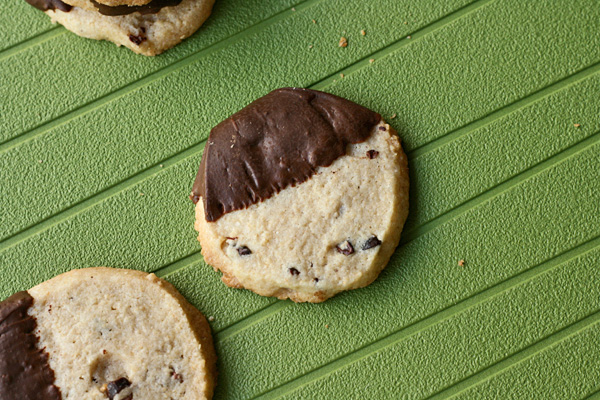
x=147, y=28
x=102, y=333
x=301, y=195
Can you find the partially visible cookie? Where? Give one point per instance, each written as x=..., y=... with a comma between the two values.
x=147, y=28
x=301, y=195
x=102, y=333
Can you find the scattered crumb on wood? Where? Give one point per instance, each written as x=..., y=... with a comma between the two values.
x=576, y=125
x=461, y=263
x=343, y=42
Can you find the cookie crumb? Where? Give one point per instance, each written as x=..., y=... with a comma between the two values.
x=343, y=42
x=576, y=125
x=408, y=37
x=342, y=75
x=310, y=47
x=293, y=9
x=461, y=263
x=314, y=22
x=393, y=116
x=372, y=60
x=405, y=22
x=363, y=32
x=211, y=318
x=326, y=326
x=161, y=165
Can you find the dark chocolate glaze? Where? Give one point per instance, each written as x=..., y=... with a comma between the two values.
x=46, y=5
x=277, y=141
x=151, y=8
x=24, y=370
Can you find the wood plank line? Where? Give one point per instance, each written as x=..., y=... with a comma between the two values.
x=517, y=357
x=32, y=41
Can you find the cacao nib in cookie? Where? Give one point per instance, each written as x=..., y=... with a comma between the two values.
x=277, y=141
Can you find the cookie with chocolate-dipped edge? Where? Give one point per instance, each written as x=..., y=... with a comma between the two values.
x=147, y=27
x=102, y=333
x=301, y=195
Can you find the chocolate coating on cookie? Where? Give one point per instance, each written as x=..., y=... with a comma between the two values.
x=151, y=8
x=46, y=5
x=24, y=369
x=277, y=141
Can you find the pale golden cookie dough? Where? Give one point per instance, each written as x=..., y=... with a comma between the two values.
x=101, y=324
x=293, y=237
x=148, y=34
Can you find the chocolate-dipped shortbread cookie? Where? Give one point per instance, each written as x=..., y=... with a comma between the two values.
x=147, y=27
x=102, y=333
x=301, y=195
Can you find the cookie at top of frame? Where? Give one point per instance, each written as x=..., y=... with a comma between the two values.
x=145, y=27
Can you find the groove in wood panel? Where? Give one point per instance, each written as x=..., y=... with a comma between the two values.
x=433, y=319
x=507, y=109
x=520, y=356
x=405, y=41
x=177, y=265
x=35, y=40
x=146, y=80
x=500, y=188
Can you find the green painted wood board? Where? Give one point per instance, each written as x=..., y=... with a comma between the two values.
x=99, y=148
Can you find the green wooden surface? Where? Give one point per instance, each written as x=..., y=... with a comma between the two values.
x=99, y=148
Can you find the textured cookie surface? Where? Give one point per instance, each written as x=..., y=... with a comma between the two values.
x=121, y=334
x=333, y=232
x=144, y=33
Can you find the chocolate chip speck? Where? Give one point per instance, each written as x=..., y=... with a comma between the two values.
x=113, y=388
x=371, y=242
x=194, y=198
x=137, y=39
x=244, y=251
x=316, y=280
x=372, y=154
x=294, y=271
x=345, y=248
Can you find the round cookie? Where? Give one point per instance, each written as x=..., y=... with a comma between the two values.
x=150, y=30
x=305, y=228
x=102, y=333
